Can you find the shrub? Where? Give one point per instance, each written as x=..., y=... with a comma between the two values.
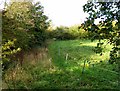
x=24, y=22
x=69, y=33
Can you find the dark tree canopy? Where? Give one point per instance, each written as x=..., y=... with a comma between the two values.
x=108, y=27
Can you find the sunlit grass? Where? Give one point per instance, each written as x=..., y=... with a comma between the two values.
x=62, y=67
x=79, y=51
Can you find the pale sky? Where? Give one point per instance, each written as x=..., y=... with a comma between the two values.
x=63, y=12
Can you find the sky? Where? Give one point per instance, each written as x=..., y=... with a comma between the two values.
x=1, y=4
x=62, y=12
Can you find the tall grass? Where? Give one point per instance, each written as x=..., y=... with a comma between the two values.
x=62, y=67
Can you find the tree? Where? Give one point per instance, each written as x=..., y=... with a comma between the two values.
x=15, y=21
x=108, y=28
x=40, y=23
x=25, y=23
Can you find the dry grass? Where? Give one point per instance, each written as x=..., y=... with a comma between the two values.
x=38, y=55
x=33, y=58
x=39, y=70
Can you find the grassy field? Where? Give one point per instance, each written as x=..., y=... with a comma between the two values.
x=65, y=64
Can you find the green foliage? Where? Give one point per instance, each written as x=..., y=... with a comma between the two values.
x=69, y=33
x=62, y=33
x=78, y=32
x=40, y=22
x=108, y=27
x=8, y=49
x=26, y=23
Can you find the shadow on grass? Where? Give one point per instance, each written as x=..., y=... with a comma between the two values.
x=74, y=55
x=93, y=77
x=66, y=73
x=72, y=79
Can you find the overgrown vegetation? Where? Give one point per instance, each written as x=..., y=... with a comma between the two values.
x=25, y=23
x=58, y=71
x=35, y=56
x=69, y=33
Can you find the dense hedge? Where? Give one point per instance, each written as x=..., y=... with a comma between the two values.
x=24, y=26
x=69, y=33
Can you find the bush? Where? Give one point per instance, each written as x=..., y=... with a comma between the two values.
x=62, y=33
x=69, y=33
x=24, y=22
